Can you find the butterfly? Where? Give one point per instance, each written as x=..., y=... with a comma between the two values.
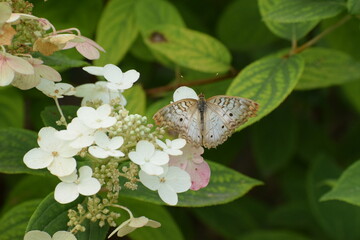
x=206, y=122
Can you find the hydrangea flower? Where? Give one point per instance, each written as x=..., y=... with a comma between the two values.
x=53, y=153
x=85, y=46
x=174, y=180
x=183, y=93
x=98, y=91
x=78, y=134
x=172, y=147
x=149, y=159
x=106, y=147
x=132, y=224
x=9, y=65
x=40, y=235
x=50, y=44
x=193, y=163
x=117, y=80
x=96, y=118
x=72, y=186
x=55, y=90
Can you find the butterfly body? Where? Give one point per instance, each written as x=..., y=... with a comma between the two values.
x=208, y=122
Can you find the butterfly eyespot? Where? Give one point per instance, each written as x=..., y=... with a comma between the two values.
x=230, y=114
x=211, y=136
x=181, y=119
x=222, y=126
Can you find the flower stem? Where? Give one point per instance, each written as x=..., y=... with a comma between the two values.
x=62, y=118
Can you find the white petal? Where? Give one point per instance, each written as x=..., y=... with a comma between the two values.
x=89, y=186
x=101, y=139
x=66, y=192
x=47, y=139
x=84, y=89
x=19, y=65
x=116, y=142
x=36, y=158
x=152, y=169
x=63, y=235
x=151, y=182
x=66, y=151
x=153, y=224
x=167, y=194
x=104, y=110
x=178, y=143
x=145, y=148
x=160, y=158
x=108, y=122
x=62, y=166
x=161, y=144
x=7, y=74
x=86, y=113
x=97, y=71
x=137, y=158
x=174, y=152
x=183, y=93
x=37, y=235
x=113, y=73
x=178, y=179
x=70, y=178
x=116, y=153
x=85, y=172
x=131, y=75
x=98, y=152
x=138, y=222
x=82, y=142
x=67, y=134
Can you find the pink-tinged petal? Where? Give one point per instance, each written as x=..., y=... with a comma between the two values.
x=160, y=158
x=113, y=73
x=183, y=93
x=93, y=43
x=19, y=65
x=168, y=195
x=98, y=152
x=200, y=175
x=97, y=71
x=69, y=45
x=63, y=235
x=116, y=142
x=179, y=161
x=89, y=186
x=131, y=75
x=48, y=73
x=85, y=172
x=66, y=192
x=62, y=166
x=25, y=82
x=37, y=158
x=13, y=17
x=137, y=158
x=145, y=148
x=152, y=169
x=6, y=74
x=88, y=51
x=178, y=179
x=151, y=182
x=37, y=235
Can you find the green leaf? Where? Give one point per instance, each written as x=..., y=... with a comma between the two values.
x=60, y=61
x=14, y=143
x=168, y=229
x=304, y=10
x=136, y=99
x=13, y=223
x=347, y=187
x=271, y=156
x=267, y=81
x=338, y=219
x=93, y=231
x=235, y=31
x=326, y=67
x=351, y=91
x=225, y=185
x=116, y=30
x=272, y=235
x=353, y=6
x=150, y=13
x=290, y=31
x=50, y=115
x=11, y=108
x=189, y=48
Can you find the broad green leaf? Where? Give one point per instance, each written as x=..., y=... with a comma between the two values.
x=150, y=13
x=50, y=115
x=281, y=126
x=338, y=219
x=326, y=67
x=13, y=223
x=189, y=48
x=304, y=10
x=11, y=108
x=168, y=229
x=347, y=186
x=14, y=143
x=267, y=81
x=136, y=100
x=351, y=91
x=116, y=30
x=241, y=28
x=141, y=51
x=353, y=6
x=290, y=31
x=273, y=235
x=225, y=185
x=61, y=62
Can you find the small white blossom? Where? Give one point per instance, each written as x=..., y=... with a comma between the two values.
x=183, y=93
x=172, y=147
x=106, y=147
x=95, y=119
x=78, y=134
x=54, y=153
x=99, y=91
x=40, y=235
x=174, y=180
x=132, y=224
x=55, y=90
x=117, y=80
x=149, y=159
x=71, y=186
